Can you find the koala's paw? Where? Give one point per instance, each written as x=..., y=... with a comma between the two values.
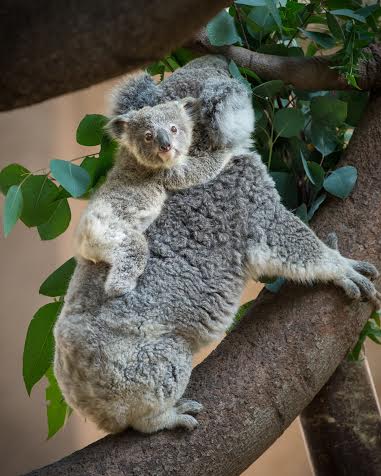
x=183, y=409
x=356, y=277
x=115, y=286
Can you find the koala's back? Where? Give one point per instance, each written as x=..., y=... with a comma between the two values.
x=197, y=265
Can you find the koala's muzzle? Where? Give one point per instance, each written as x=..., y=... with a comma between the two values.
x=164, y=140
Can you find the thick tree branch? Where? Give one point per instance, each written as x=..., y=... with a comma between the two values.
x=266, y=371
x=306, y=73
x=50, y=48
x=342, y=424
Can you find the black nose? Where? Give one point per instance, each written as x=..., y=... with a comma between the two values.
x=165, y=147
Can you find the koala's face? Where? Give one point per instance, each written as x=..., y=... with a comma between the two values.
x=158, y=136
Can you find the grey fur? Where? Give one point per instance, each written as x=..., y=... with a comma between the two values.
x=208, y=132
x=126, y=361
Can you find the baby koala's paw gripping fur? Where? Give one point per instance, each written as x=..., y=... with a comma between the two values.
x=355, y=277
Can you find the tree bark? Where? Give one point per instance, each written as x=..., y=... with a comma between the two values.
x=267, y=370
x=306, y=73
x=49, y=48
x=342, y=424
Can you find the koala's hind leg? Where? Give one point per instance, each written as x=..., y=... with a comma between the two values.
x=128, y=262
x=290, y=249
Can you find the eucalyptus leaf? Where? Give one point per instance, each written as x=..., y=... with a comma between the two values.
x=235, y=72
x=328, y=110
x=12, y=174
x=91, y=129
x=39, y=343
x=57, y=409
x=72, y=177
x=315, y=206
x=288, y=122
x=323, y=138
x=222, y=31
x=345, y=12
x=268, y=89
x=57, y=283
x=341, y=181
x=314, y=171
x=287, y=188
x=322, y=39
x=58, y=221
x=13, y=206
x=39, y=194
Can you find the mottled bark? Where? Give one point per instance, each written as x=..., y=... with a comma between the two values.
x=266, y=371
x=342, y=424
x=306, y=73
x=49, y=48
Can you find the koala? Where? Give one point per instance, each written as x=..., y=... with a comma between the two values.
x=165, y=146
x=126, y=361
x=155, y=156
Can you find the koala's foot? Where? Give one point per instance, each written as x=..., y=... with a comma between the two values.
x=116, y=286
x=355, y=277
x=175, y=417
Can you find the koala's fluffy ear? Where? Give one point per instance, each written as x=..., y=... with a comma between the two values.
x=117, y=127
x=192, y=106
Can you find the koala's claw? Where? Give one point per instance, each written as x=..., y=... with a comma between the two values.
x=188, y=406
x=357, y=285
x=186, y=421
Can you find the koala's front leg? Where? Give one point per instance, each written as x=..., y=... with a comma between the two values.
x=128, y=262
x=288, y=248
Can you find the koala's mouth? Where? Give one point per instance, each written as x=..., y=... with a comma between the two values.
x=168, y=156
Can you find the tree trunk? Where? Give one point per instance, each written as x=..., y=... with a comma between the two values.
x=342, y=425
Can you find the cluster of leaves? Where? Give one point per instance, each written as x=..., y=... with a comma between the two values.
x=41, y=201
x=300, y=137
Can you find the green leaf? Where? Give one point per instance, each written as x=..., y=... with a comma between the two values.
x=301, y=212
x=287, y=188
x=288, y=122
x=341, y=181
x=323, y=138
x=12, y=174
x=315, y=206
x=57, y=283
x=235, y=72
x=328, y=110
x=73, y=178
x=274, y=12
x=57, y=409
x=276, y=285
x=251, y=3
x=261, y=20
x=13, y=206
x=91, y=129
x=240, y=313
x=39, y=344
x=344, y=12
x=221, y=30
x=268, y=89
x=314, y=171
x=39, y=194
x=322, y=39
x=58, y=221
x=334, y=26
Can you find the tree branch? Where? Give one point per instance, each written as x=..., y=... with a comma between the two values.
x=51, y=48
x=267, y=370
x=306, y=73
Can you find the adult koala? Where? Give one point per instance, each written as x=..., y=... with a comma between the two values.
x=126, y=361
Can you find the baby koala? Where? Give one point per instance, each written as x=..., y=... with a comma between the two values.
x=155, y=155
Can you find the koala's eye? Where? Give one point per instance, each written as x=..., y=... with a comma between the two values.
x=174, y=129
x=148, y=136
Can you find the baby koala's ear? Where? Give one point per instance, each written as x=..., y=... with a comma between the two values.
x=192, y=106
x=117, y=127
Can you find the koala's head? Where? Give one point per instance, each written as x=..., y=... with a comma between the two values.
x=158, y=136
